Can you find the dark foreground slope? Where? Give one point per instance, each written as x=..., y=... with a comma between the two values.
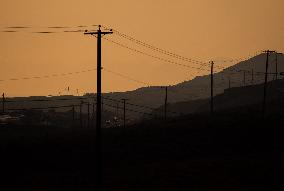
x=230, y=152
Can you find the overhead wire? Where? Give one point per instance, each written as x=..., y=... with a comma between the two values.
x=131, y=39
x=131, y=110
x=49, y=76
x=135, y=105
x=126, y=77
x=39, y=29
x=41, y=108
x=44, y=100
x=138, y=51
x=168, y=53
x=139, y=42
x=76, y=98
x=150, y=55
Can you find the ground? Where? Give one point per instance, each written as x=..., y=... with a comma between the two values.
x=190, y=153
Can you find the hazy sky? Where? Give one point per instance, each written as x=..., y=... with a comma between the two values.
x=203, y=30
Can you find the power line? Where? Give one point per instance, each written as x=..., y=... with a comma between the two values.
x=163, y=59
x=240, y=59
x=43, y=32
x=129, y=38
x=42, y=108
x=45, y=100
x=236, y=71
x=168, y=53
x=139, y=42
x=66, y=106
x=152, y=56
x=49, y=76
x=131, y=110
x=136, y=105
x=126, y=77
x=80, y=99
x=39, y=29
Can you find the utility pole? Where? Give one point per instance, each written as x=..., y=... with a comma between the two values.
x=212, y=84
x=265, y=82
x=3, y=103
x=252, y=77
x=73, y=114
x=229, y=82
x=94, y=115
x=88, y=114
x=117, y=107
x=98, y=151
x=244, y=78
x=124, y=110
x=116, y=118
x=166, y=102
x=102, y=105
x=81, y=115
x=276, y=65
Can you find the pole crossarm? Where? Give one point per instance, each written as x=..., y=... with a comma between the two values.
x=98, y=32
x=94, y=33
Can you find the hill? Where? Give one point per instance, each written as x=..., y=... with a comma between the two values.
x=237, y=97
x=153, y=97
x=199, y=87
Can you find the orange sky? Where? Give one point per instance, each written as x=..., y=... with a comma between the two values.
x=203, y=30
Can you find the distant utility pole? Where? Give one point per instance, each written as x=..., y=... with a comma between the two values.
x=117, y=107
x=88, y=114
x=252, y=77
x=98, y=151
x=276, y=65
x=265, y=82
x=229, y=82
x=94, y=111
x=81, y=115
x=212, y=84
x=73, y=113
x=166, y=102
x=244, y=78
x=124, y=110
x=3, y=103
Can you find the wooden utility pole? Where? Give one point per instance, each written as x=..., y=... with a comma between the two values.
x=265, y=82
x=94, y=115
x=98, y=151
x=88, y=114
x=73, y=113
x=229, y=82
x=212, y=93
x=81, y=114
x=124, y=111
x=244, y=82
x=166, y=102
x=102, y=105
x=252, y=77
x=276, y=65
x=3, y=103
x=117, y=107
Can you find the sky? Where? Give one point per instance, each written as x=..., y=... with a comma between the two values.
x=203, y=30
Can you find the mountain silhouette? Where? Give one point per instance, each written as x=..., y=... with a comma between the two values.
x=199, y=87
x=248, y=97
x=187, y=96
